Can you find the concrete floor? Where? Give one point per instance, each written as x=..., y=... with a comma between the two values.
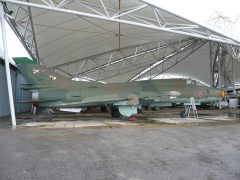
x=94, y=118
x=211, y=152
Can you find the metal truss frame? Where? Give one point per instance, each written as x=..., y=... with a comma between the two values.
x=117, y=62
x=24, y=31
x=165, y=63
x=221, y=66
x=130, y=16
x=151, y=59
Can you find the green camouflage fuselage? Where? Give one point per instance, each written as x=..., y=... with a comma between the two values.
x=52, y=90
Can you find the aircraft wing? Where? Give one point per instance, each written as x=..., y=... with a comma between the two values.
x=30, y=101
x=129, y=100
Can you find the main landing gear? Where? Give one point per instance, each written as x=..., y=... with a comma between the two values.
x=123, y=111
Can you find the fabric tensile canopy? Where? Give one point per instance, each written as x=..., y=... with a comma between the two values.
x=115, y=41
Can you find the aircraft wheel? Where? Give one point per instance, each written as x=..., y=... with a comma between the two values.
x=115, y=112
x=139, y=111
x=154, y=108
x=123, y=117
x=183, y=114
x=146, y=107
x=103, y=109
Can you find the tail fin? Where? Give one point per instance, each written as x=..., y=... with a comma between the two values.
x=24, y=60
x=38, y=76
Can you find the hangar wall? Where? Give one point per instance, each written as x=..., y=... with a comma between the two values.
x=19, y=95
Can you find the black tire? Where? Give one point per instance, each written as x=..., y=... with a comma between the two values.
x=103, y=109
x=139, y=111
x=183, y=114
x=154, y=108
x=122, y=117
x=115, y=112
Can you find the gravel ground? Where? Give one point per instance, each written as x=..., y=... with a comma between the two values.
x=121, y=153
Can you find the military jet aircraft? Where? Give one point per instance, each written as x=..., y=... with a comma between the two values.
x=51, y=90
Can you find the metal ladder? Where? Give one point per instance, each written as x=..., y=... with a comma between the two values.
x=191, y=107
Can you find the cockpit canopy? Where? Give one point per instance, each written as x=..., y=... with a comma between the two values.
x=193, y=82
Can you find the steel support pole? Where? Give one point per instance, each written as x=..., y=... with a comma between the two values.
x=233, y=78
x=211, y=64
x=220, y=74
x=7, y=67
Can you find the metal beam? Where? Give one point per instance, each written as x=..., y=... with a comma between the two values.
x=93, y=56
x=29, y=44
x=222, y=70
x=203, y=32
x=33, y=34
x=163, y=59
x=124, y=58
x=194, y=22
x=185, y=47
x=154, y=20
x=7, y=67
x=178, y=54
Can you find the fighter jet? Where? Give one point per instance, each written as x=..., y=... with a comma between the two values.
x=51, y=90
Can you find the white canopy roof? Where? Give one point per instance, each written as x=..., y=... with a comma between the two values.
x=115, y=41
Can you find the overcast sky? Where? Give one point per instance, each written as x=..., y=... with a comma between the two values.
x=207, y=11
x=202, y=10
x=15, y=48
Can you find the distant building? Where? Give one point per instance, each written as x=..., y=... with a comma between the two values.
x=18, y=94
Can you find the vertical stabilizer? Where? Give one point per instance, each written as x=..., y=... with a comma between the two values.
x=38, y=76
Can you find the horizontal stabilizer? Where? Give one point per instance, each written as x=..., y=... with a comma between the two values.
x=42, y=101
x=33, y=87
x=26, y=84
x=26, y=101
